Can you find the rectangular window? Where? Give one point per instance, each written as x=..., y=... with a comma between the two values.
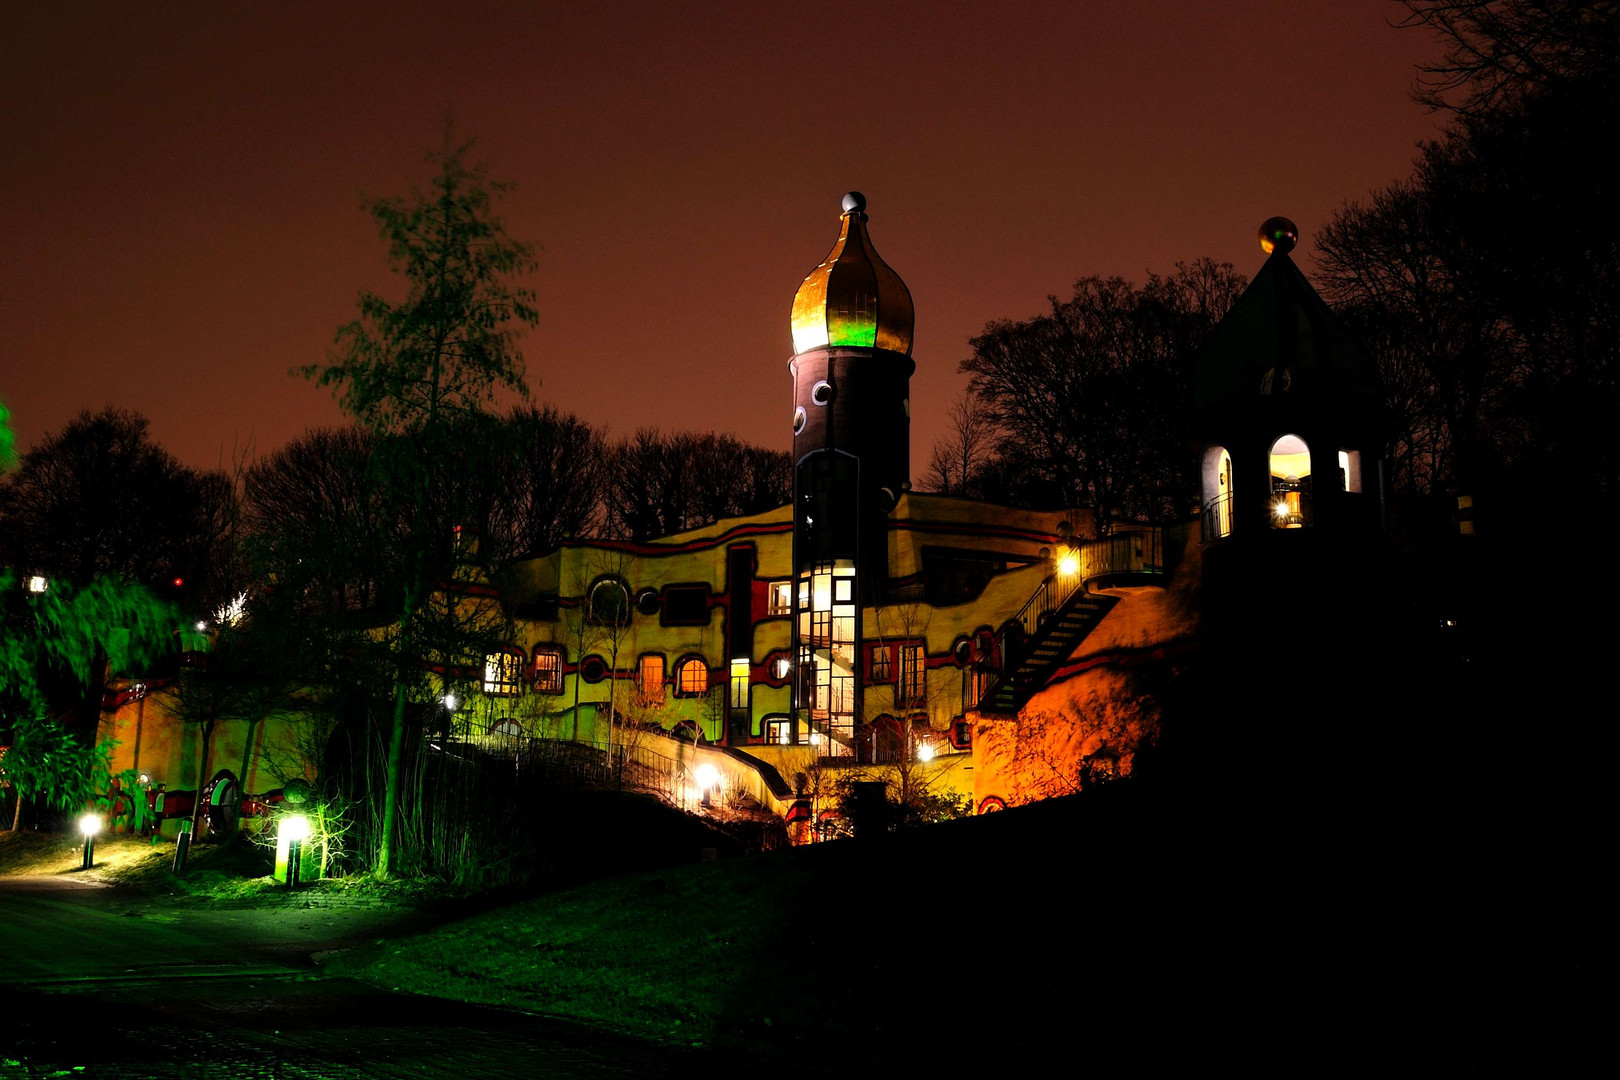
x=912, y=674
x=503, y=673
x=974, y=683
x=1350, y=470
x=686, y=605
x=547, y=670
x=739, y=683
x=779, y=732
x=881, y=671
x=779, y=598
x=650, y=680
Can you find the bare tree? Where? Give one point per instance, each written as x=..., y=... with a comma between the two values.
x=1498, y=52
x=960, y=458
x=1090, y=400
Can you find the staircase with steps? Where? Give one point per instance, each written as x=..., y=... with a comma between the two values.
x=1030, y=663
x=1062, y=612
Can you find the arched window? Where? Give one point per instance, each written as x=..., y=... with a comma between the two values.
x=1290, y=483
x=1217, y=493
x=609, y=602
x=692, y=677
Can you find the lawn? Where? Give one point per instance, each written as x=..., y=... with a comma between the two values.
x=982, y=940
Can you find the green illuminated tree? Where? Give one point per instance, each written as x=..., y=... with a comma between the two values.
x=60, y=636
x=418, y=375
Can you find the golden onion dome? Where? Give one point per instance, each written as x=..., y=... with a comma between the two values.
x=853, y=297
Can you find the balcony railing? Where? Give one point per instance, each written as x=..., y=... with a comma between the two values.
x=1123, y=553
x=1217, y=518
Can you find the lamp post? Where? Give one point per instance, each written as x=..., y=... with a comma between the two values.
x=290, y=836
x=89, y=825
x=707, y=776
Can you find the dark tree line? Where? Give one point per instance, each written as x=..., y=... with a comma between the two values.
x=1086, y=405
x=1487, y=286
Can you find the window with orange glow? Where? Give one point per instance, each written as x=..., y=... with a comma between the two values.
x=650, y=680
x=503, y=674
x=913, y=679
x=547, y=670
x=692, y=678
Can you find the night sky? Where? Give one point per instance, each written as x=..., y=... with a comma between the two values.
x=180, y=203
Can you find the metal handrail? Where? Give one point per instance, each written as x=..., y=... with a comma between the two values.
x=1216, y=518
x=1132, y=552
x=1122, y=553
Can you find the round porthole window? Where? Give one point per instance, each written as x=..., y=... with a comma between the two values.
x=821, y=393
x=647, y=602
x=593, y=669
x=798, y=419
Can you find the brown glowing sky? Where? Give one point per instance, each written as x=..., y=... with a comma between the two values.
x=181, y=195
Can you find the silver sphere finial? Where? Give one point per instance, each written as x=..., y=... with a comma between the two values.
x=1278, y=234
x=854, y=203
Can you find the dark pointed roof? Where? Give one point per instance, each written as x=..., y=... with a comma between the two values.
x=1280, y=338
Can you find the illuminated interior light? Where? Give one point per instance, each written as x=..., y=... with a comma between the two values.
x=39, y=583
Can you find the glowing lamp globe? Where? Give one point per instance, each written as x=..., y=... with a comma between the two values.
x=1278, y=234
x=295, y=827
x=706, y=776
x=90, y=824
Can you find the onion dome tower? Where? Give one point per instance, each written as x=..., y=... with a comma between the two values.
x=1287, y=413
x=852, y=325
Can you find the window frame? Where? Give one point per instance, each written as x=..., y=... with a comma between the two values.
x=555, y=685
x=672, y=596
x=623, y=586
x=911, y=685
x=508, y=664
x=685, y=664
x=650, y=696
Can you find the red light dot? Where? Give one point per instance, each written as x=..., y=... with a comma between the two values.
x=179, y=582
